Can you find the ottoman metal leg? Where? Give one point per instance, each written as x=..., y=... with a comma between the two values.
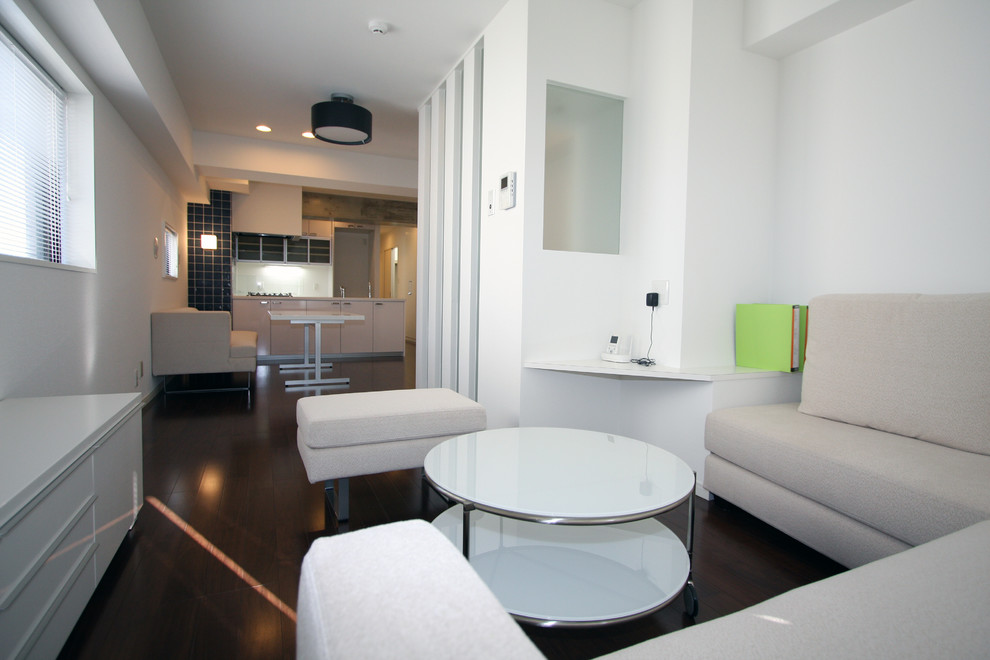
x=338, y=503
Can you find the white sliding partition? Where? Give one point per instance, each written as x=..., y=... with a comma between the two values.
x=449, y=219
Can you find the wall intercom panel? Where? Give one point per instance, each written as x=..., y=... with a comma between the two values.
x=507, y=191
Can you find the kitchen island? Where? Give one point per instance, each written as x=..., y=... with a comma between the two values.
x=381, y=333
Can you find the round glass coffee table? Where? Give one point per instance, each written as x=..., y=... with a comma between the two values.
x=560, y=524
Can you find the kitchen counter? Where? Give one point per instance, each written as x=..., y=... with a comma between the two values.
x=338, y=298
x=382, y=332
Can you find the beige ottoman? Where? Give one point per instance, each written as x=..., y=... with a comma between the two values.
x=347, y=435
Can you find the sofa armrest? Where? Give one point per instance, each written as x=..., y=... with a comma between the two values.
x=400, y=590
x=927, y=602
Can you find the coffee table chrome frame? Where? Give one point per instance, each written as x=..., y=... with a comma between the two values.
x=688, y=591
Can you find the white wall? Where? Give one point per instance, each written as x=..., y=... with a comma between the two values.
x=728, y=244
x=883, y=167
x=68, y=332
x=857, y=163
x=569, y=300
x=500, y=327
x=654, y=183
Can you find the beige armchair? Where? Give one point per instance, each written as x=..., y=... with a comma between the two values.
x=188, y=341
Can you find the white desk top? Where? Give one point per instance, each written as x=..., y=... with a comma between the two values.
x=313, y=317
x=632, y=370
x=43, y=436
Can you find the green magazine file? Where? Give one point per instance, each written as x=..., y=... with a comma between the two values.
x=771, y=337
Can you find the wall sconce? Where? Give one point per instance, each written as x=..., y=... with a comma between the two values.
x=208, y=241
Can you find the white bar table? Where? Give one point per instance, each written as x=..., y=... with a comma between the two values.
x=316, y=319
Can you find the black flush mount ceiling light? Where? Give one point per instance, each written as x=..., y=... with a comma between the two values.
x=340, y=121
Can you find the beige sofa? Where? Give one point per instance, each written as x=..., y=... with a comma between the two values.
x=402, y=590
x=189, y=341
x=889, y=446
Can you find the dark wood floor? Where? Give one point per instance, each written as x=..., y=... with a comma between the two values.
x=211, y=568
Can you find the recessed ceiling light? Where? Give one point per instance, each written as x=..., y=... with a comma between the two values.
x=308, y=134
x=263, y=128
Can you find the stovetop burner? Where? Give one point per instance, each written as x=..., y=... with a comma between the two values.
x=271, y=295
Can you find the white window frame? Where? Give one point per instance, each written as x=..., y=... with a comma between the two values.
x=78, y=222
x=170, y=252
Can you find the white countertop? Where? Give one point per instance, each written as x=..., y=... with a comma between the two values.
x=632, y=370
x=239, y=296
x=313, y=317
x=42, y=436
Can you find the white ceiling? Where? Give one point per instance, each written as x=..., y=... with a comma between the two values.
x=240, y=63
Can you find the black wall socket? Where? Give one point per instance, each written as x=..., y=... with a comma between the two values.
x=653, y=300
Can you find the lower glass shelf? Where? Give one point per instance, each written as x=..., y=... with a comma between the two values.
x=566, y=575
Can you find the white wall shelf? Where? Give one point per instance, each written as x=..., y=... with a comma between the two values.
x=631, y=370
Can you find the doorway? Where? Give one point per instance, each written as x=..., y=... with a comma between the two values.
x=390, y=273
x=352, y=262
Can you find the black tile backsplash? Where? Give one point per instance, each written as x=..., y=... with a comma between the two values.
x=210, y=270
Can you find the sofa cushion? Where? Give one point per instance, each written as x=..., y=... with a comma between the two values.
x=915, y=365
x=914, y=491
x=357, y=418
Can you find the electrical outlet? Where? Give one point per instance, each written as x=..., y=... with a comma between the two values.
x=663, y=288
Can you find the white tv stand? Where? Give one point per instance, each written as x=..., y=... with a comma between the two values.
x=71, y=484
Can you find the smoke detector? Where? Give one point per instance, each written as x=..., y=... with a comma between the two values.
x=378, y=27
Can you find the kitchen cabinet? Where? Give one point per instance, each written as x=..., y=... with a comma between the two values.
x=329, y=333
x=381, y=332
x=357, y=336
x=287, y=339
x=319, y=251
x=282, y=249
x=71, y=484
x=259, y=247
x=389, y=331
x=303, y=250
x=252, y=314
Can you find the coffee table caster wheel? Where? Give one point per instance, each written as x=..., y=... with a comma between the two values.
x=690, y=600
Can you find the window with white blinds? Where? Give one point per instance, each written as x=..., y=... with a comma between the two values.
x=33, y=158
x=170, y=264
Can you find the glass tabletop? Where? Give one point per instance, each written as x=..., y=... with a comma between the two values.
x=556, y=475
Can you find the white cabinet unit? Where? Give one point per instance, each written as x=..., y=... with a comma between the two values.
x=389, y=326
x=252, y=314
x=357, y=336
x=382, y=332
x=71, y=484
x=287, y=338
x=329, y=333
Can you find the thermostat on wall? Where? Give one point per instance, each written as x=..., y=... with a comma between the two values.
x=507, y=190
